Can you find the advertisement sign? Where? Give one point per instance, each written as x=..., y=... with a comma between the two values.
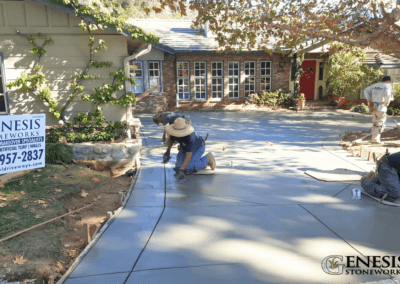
x=22, y=142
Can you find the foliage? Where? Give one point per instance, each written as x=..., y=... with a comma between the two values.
x=302, y=97
x=272, y=98
x=248, y=24
x=58, y=152
x=362, y=109
x=345, y=73
x=37, y=81
x=109, y=132
x=394, y=106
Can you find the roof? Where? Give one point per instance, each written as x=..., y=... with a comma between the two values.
x=377, y=58
x=178, y=35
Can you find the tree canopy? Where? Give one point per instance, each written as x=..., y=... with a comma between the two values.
x=251, y=24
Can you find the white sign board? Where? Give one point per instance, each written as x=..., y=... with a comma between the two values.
x=22, y=142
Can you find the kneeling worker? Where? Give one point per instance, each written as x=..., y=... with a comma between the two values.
x=167, y=118
x=190, y=157
x=379, y=96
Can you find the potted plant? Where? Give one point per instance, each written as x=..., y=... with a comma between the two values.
x=348, y=106
x=302, y=100
x=341, y=101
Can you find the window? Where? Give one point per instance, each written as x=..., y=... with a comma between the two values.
x=154, y=74
x=394, y=76
x=250, y=78
x=217, y=80
x=265, y=76
x=233, y=79
x=136, y=72
x=321, y=71
x=183, y=80
x=200, y=72
x=3, y=89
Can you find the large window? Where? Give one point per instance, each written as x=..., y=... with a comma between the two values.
x=217, y=80
x=183, y=80
x=3, y=89
x=233, y=79
x=200, y=79
x=265, y=76
x=136, y=72
x=250, y=78
x=154, y=74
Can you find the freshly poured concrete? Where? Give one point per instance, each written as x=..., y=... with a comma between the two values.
x=260, y=219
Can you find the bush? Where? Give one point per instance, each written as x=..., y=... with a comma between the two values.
x=272, y=98
x=110, y=132
x=58, y=152
x=361, y=108
x=390, y=111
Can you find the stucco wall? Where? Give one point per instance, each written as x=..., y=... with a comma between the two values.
x=69, y=54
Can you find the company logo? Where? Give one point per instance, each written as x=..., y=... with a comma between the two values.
x=330, y=265
x=360, y=265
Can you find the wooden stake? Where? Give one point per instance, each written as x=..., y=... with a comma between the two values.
x=369, y=155
x=373, y=155
x=26, y=230
x=86, y=227
x=387, y=150
x=96, y=227
x=109, y=214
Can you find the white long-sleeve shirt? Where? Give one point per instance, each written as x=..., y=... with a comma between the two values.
x=379, y=93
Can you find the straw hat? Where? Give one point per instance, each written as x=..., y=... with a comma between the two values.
x=180, y=128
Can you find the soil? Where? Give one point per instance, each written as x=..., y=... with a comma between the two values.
x=50, y=250
x=372, y=152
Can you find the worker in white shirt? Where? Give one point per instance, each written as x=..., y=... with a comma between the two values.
x=379, y=96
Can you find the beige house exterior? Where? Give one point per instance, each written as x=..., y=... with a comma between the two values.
x=68, y=55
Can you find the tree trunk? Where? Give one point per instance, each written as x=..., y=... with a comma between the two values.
x=298, y=71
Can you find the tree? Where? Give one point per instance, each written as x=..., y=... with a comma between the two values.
x=346, y=75
x=253, y=24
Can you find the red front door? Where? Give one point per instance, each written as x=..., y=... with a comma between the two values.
x=307, y=80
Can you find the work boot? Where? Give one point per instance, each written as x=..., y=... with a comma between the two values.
x=211, y=161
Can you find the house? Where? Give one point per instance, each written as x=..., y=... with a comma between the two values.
x=69, y=54
x=192, y=72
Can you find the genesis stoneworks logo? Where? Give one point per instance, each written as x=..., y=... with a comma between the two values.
x=359, y=265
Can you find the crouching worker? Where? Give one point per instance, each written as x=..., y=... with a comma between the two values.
x=385, y=182
x=167, y=118
x=192, y=147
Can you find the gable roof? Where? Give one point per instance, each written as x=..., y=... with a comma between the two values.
x=178, y=35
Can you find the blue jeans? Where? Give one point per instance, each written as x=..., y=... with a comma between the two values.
x=197, y=160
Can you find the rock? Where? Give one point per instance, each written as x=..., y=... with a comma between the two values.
x=118, y=153
x=85, y=150
x=97, y=150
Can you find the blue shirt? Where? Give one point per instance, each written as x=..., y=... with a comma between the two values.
x=190, y=143
x=169, y=118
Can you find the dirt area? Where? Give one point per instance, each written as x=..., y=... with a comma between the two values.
x=372, y=152
x=48, y=251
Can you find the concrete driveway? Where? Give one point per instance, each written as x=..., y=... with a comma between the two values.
x=259, y=219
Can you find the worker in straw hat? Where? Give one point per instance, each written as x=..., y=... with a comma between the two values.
x=192, y=147
x=166, y=118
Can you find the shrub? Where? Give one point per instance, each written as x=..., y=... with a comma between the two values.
x=110, y=132
x=58, y=152
x=361, y=108
x=272, y=98
x=390, y=111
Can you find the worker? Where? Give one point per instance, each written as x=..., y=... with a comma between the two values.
x=379, y=96
x=167, y=118
x=192, y=147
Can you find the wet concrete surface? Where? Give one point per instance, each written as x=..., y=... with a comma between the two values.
x=258, y=219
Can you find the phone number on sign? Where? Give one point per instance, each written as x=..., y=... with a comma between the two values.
x=26, y=156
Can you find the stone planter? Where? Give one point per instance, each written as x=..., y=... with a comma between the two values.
x=117, y=157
